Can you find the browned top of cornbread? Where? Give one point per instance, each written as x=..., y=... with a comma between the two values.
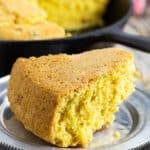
x=63, y=73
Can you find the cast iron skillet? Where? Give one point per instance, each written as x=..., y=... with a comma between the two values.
x=117, y=15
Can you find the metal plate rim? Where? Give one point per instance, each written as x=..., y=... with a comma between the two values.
x=20, y=145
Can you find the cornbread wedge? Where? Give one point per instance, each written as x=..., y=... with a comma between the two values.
x=64, y=99
x=24, y=11
x=42, y=30
x=25, y=20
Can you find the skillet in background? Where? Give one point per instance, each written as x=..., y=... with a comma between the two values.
x=117, y=15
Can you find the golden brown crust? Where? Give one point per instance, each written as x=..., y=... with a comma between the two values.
x=64, y=73
x=26, y=98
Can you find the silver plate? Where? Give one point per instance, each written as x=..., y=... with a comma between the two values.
x=132, y=122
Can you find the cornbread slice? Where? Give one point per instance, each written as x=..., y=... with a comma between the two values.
x=25, y=20
x=41, y=30
x=25, y=11
x=64, y=99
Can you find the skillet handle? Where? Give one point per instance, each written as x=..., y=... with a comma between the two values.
x=135, y=41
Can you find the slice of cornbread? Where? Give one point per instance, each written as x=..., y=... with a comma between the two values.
x=24, y=11
x=64, y=99
x=25, y=20
x=41, y=30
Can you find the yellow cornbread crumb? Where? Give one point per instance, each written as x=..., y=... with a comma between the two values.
x=76, y=14
x=117, y=134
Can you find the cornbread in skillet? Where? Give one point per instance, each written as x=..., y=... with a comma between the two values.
x=37, y=19
x=25, y=20
x=64, y=99
x=76, y=14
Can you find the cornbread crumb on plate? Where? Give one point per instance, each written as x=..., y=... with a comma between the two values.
x=64, y=99
x=117, y=134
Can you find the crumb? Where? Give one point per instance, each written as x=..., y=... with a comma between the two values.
x=116, y=134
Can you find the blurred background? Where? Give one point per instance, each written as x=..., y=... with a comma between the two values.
x=139, y=24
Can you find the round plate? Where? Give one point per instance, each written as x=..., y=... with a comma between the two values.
x=132, y=124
